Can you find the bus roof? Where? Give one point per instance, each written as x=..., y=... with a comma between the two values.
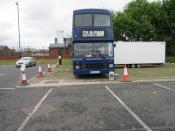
x=83, y=11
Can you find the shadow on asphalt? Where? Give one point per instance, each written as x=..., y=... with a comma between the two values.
x=89, y=77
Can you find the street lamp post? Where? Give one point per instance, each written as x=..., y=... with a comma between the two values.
x=19, y=37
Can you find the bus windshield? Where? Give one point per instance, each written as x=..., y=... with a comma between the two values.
x=93, y=49
x=87, y=20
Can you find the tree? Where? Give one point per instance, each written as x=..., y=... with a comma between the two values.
x=134, y=23
x=146, y=21
x=169, y=7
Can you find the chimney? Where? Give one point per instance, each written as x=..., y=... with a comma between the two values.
x=56, y=40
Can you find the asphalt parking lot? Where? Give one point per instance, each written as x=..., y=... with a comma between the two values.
x=10, y=75
x=112, y=107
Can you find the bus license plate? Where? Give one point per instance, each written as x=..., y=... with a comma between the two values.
x=94, y=72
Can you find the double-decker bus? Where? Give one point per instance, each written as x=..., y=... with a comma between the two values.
x=92, y=37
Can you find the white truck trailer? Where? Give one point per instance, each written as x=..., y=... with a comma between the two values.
x=139, y=53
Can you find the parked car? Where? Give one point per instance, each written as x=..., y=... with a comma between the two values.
x=28, y=61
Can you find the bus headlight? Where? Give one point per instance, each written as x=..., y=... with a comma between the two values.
x=111, y=65
x=77, y=67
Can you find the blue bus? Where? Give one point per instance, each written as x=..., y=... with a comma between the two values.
x=92, y=37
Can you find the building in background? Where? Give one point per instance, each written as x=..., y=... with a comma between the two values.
x=35, y=52
x=6, y=51
x=61, y=46
x=68, y=42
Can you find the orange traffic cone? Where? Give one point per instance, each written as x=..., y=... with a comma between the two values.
x=40, y=73
x=24, y=78
x=125, y=75
x=49, y=68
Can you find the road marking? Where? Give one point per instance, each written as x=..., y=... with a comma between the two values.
x=30, y=115
x=32, y=78
x=129, y=110
x=3, y=74
x=164, y=87
x=7, y=88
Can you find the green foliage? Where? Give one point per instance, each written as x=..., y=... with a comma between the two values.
x=170, y=59
x=7, y=62
x=145, y=21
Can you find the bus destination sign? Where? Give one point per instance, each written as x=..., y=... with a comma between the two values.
x=92, y=33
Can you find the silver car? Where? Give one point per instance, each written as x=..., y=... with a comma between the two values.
x=28, y=61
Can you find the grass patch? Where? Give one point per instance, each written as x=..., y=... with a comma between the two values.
x=157, y=72
x=46, y=61
x=7, y=62
x=67, y=62
x=62, y=72
x=170, y=59
x=144, y=73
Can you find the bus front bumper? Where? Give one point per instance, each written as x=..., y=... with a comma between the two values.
x=93, y=72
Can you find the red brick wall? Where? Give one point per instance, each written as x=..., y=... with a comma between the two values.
x=36, y=57
x=9, y=57
x=44, y=57
x=17, y=57
x=53, y=52
x=65, y=52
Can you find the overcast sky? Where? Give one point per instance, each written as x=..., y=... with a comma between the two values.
x=41, y=19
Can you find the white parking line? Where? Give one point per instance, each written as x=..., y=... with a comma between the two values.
x=3, y=74
x=7, y=88
x=129, y=110
x=164, y=87
x=23, y=124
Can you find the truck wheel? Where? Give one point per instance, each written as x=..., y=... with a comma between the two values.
x=138, y=65
x=129, y=66
x=133, y=65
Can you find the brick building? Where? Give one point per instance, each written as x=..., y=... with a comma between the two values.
x=5, y=51
x=56, y=49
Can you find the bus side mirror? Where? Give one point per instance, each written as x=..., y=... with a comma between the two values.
x=114, y=45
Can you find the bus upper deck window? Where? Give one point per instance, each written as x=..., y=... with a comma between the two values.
x=83, y=20
x=102, y=20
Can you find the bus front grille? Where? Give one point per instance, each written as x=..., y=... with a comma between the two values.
x=93, y=66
